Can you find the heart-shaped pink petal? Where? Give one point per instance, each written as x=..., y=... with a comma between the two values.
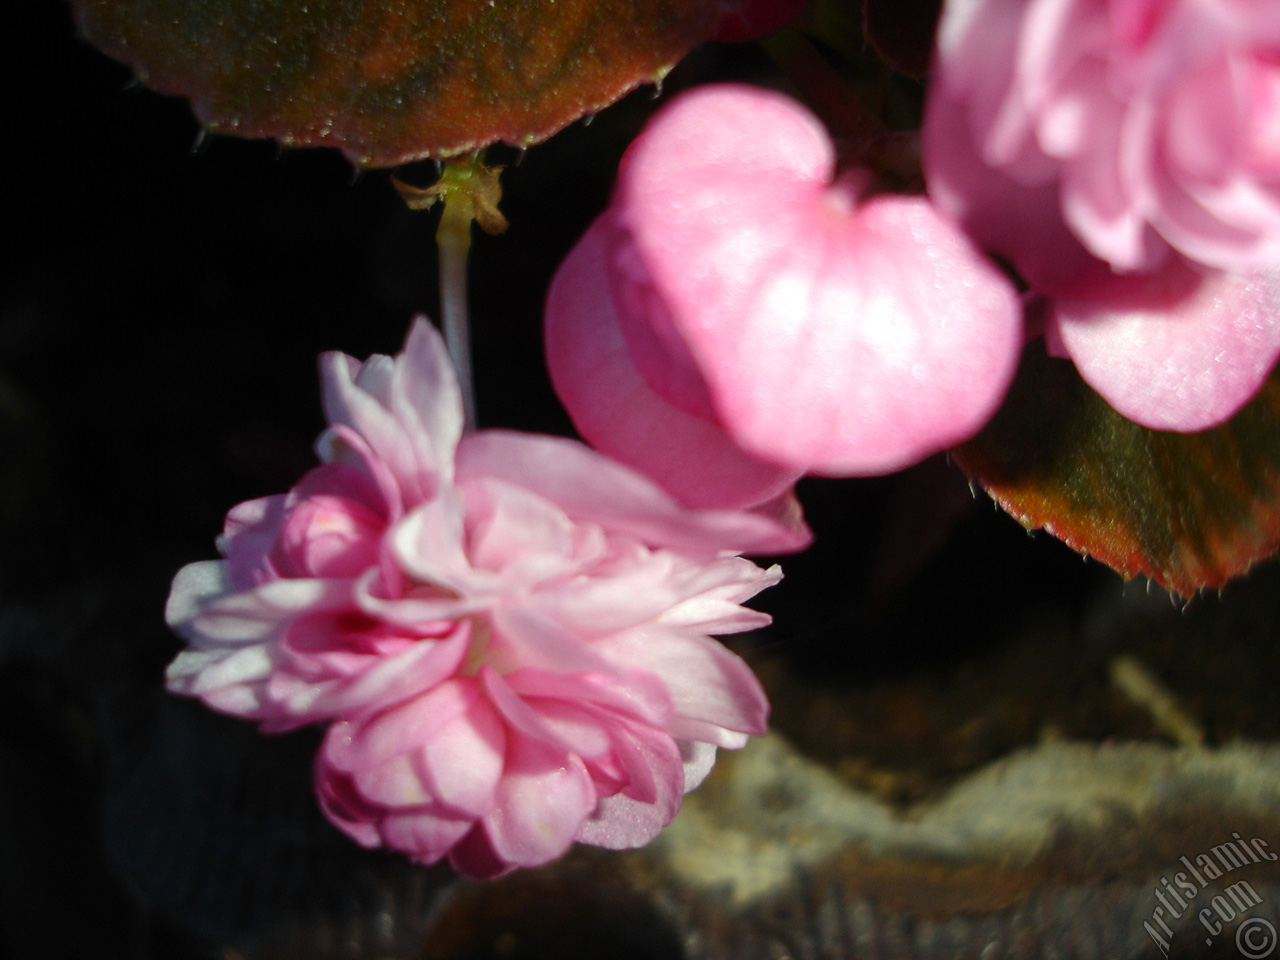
x=833, y=334
x=616, y=410
x=1180, y=350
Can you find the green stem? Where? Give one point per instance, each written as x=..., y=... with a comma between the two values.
x=453, y=241
x=469, y=191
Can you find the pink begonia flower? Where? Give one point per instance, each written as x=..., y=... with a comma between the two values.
x=735, y=299
x=1138, y=125
x=1124, y=156
x=508, y=633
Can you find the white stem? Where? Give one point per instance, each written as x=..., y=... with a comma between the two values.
x=453, y=240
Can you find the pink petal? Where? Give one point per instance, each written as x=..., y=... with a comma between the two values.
x=253, y=528
x=698, y=758
x=430, y=545
x=705, y=680
x=594, y=606
x=713, y=174
x=1178, y=351
x=545, y=706
x=982, y=163
x=424, y=610
x=528, y=721
x=1099, y=203
x=589, y=728
x=530, y=637
x=634, y=816
x=345, y=808
x=590, y=487
x=525, y=538
x=250, y=532
x=348, y=406
x=461, y=766
x=425, y=836
x=328, y=646
x=544, y=797
x=582, y=729
x=1022, y=222
x=383, y=680
x=340, y=480
x=200, y=609
x=425, y=398
x=395, y=784
x=636, y=693
x=834, y=336
x=617, y=412
x=407, y=410
x=1150, y=121
x=474, y=856
x=194, y=586
x=452, y=740
x=421, y=831
x=717, y=610
x=327, y=536
x=229, y=680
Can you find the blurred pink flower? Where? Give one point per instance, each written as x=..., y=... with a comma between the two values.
x=737, y=318
x=1059, y=130
x=510, y=632
x=1124, y=156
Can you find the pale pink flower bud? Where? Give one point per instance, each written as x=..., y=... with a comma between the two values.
x=738, y=317
x=328, y=536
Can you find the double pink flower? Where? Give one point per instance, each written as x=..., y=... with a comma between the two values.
x=508, y=634
x=1124, y=156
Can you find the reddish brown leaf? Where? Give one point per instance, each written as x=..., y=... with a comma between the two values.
x=1188, y=510
x=390, y=81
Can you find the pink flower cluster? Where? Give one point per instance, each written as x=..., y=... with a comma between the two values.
x=507, y=634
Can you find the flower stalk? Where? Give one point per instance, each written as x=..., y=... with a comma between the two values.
x=469, y=191
x=453, y=242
